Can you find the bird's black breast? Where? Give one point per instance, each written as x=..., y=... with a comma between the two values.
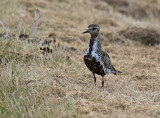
x=93, y=65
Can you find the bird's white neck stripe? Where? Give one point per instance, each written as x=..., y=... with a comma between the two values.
x=95, y=46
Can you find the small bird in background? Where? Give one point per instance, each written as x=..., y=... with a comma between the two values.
x=97, y=60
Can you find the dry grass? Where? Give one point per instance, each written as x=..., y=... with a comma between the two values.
x=59, y=85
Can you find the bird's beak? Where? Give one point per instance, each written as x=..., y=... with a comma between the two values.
x=87, y=31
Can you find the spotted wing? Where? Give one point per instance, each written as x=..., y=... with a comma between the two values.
x=106, y=61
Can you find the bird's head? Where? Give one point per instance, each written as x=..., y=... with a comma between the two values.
x=93, y=29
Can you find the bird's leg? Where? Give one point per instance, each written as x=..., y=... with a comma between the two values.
x=102, y=81
x=94, y=79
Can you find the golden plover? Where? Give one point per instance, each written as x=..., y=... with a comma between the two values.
x=97, y=61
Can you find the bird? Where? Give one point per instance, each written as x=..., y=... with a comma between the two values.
x=97, y=60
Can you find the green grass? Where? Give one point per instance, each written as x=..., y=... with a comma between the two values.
x=59, y=85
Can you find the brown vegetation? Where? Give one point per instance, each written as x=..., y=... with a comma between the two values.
x=58, y=84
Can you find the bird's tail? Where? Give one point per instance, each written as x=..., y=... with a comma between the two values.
x=115, y=72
